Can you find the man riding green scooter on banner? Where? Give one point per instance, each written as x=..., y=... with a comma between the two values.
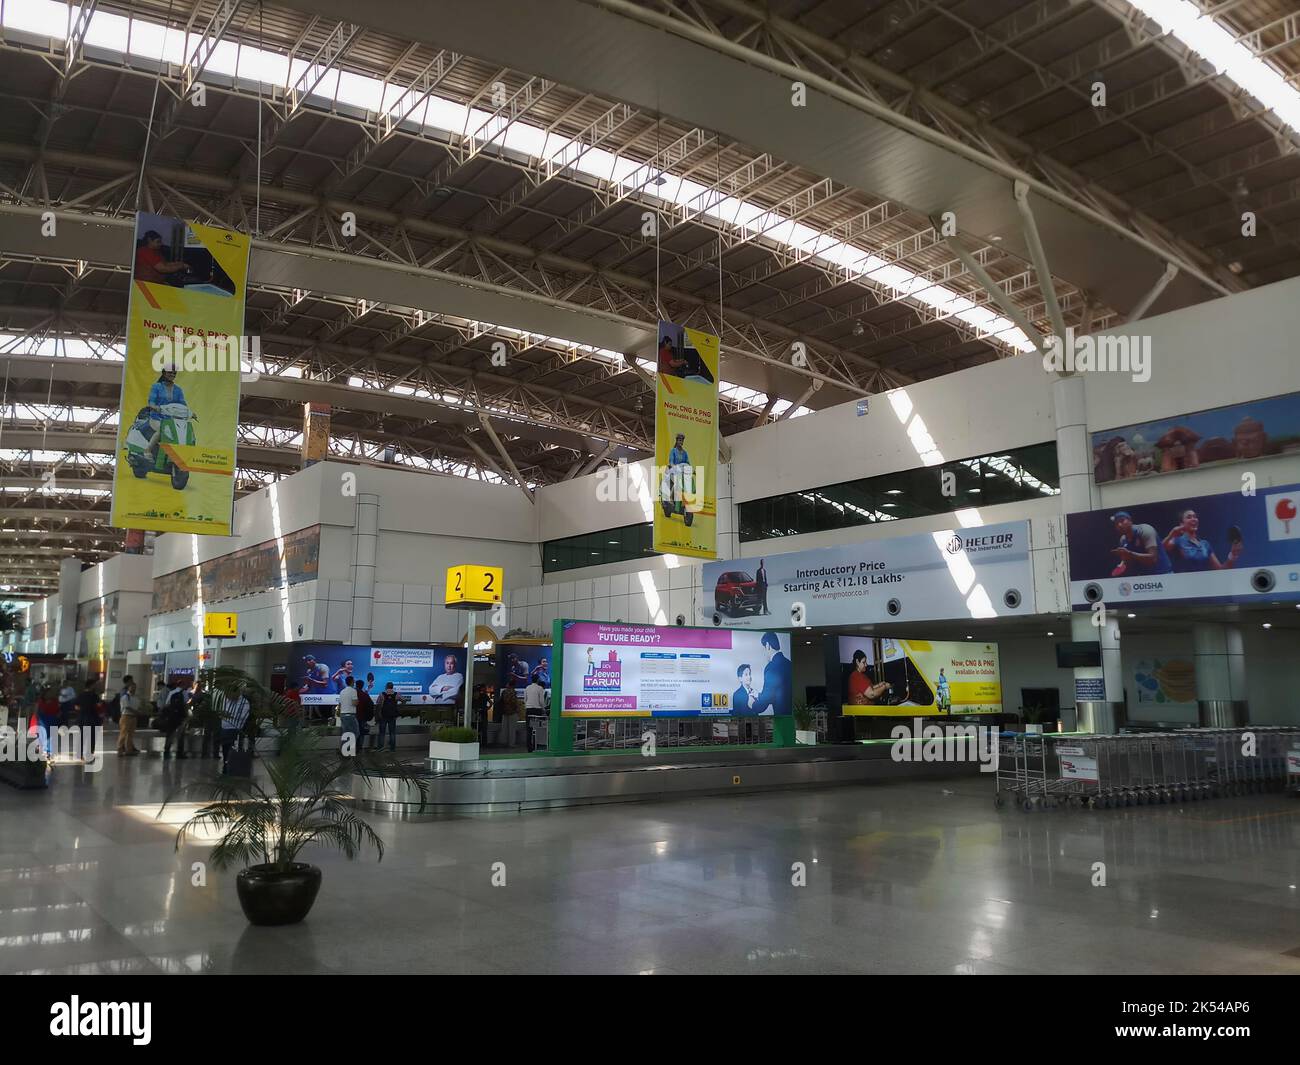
x=165, y=419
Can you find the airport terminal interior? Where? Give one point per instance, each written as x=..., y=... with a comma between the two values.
x=640, y=487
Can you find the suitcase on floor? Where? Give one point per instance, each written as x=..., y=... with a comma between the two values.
x=240, y=764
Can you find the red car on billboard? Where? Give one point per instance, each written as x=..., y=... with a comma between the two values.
x=736, y=593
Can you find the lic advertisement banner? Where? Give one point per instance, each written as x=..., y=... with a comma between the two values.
x=175, y=460
x=1222, y=548
x=616, y=670
x=955, y=573
x=424, y=676
x=686, y=442
x=880, y=677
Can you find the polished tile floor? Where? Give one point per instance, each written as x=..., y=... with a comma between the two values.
x=919, y=877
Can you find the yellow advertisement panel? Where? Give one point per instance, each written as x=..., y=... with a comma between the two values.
x=884, y=677
x=686, y=442
x=174, y=467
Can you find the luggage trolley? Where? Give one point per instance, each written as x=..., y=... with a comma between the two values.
x=1079, y=764
x=1022, y=771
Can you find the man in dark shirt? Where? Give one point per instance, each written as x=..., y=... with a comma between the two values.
x=365, y=713
x=760, y=579
x=388, y=709
x=88, y=717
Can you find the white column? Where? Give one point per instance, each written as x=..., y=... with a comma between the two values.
x=65, y=632
x=1099, y=690
x=365, y=552
x=1220, y=675
x=1099, y=707
x=1073, y=446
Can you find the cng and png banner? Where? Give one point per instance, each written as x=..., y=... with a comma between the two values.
x=686, y=442
x=175, y=459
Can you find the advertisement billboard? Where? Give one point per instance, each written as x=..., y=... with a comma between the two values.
x=617, y=670
x=1164, y=683
x=686, y=442
x=518, y=663
x=278, y=563
x=953, y=573
x=1237, y=433
x=175, y=459
x=1221, y=548
x=886, y=677
x=426, y=676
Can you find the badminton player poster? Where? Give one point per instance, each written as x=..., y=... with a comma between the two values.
x=1221, y=548
x=175, y=458
x=686, y=442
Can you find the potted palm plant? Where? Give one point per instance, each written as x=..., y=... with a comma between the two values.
x=266, y=826
x=804, y=723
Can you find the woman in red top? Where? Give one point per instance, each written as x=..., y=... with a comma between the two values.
x=150, y=262
x=861, y=691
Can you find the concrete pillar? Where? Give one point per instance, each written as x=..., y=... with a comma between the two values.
x=1073, y=446
x=365, y=551
x=1099, y=690
x=65, y=633
x=1220, y=675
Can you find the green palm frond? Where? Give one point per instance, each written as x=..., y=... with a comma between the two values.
x=303, y=801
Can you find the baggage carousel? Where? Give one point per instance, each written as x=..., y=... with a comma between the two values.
x=540, y=782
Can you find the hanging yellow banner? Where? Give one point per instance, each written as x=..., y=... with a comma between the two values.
x=686, y=442
x=175, y=458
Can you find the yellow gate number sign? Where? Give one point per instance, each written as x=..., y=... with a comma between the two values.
x=474, y=586
x=220, y=624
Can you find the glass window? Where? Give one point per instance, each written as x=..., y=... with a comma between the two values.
x=1008, y=477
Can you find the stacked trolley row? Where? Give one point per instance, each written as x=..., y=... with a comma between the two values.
x=1143, y=768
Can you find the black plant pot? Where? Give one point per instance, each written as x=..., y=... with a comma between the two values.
x=271, y=896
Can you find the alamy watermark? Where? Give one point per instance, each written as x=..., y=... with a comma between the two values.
x=921, y=742
x=192, y=350
x=62, y=743
x=1099, y=354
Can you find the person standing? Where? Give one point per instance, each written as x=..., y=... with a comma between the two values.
x=205, y=715
x=234, y=716
x=365, y=713
x=761, y=580
x=507, y=714
x=348, y=710
x=48, y=719
x=175, y=716
x=388, y=708
x=88, y=716
x=67, y=703
x=129, y=705
x=534, y=708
